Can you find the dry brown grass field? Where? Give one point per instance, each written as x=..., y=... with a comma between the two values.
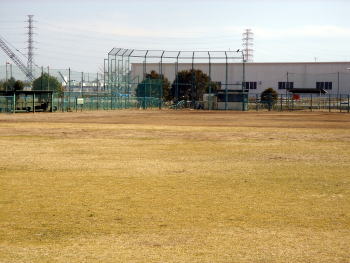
x=175, y=186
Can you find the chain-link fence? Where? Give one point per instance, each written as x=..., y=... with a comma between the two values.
x=81, y=91
x=6, y=104
x=75, y=102
x=71, y=102
x=309, y=102
x=71, y=91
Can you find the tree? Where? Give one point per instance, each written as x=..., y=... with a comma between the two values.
x=13, y=85
x=191, y=85
x=2, y=86
x=154, y=85
x=47, y=82
x=8, y=84
x=18, y=85
x=269, y=97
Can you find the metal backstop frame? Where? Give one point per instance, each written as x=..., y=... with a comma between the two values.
x=126, y=69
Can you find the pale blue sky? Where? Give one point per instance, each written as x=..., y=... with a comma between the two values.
x=79, y=34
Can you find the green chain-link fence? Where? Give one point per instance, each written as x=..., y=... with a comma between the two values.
x=75, y=102
x=305, y=102
x=6, y=104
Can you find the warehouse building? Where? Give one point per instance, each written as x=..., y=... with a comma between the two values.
x=334, y=77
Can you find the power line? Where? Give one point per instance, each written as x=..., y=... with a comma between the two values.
x=16, y=49
x=10, y=21
x=94, y=34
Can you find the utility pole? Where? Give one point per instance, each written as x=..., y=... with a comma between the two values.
x=338, y=84
x=48, y=78
x=6, y=75
x=6, y=78
x=8, y=71
x=104, y=74
x=69, y=89
x=82, y=84
x=41, y=79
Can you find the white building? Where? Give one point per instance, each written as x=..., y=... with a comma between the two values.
x=334, y=77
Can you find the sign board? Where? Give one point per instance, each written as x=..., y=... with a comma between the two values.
x=80, y=101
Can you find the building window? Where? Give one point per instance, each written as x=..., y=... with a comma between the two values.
x=250, y=84
x=285, y=85
x=324, y=85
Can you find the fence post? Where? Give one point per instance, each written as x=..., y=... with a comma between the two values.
x=281, y=102
x=69, y=91
x=338, y=84
x=144, y=95
x=82, y=90
x=48, y=78
x=41, y=79
x=311, y=103
x=348, y=103
x=33, y=102
x=329, y=102
x=98, y=101
x=52, y=102
x=14, y=102
x=97, y=86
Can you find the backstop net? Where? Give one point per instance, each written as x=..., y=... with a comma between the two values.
x=179, y=78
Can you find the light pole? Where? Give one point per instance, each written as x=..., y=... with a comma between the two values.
x=243, y=78
x=104, y=73
x=243, y=60
x=6, y=71
x=7, y=74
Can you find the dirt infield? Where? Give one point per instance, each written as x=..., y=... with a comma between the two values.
x=175, y=186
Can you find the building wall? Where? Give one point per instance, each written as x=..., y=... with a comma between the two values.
x=267, y=75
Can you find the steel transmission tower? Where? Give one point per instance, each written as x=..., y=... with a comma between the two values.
x=30, y=44
x=248, y=38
